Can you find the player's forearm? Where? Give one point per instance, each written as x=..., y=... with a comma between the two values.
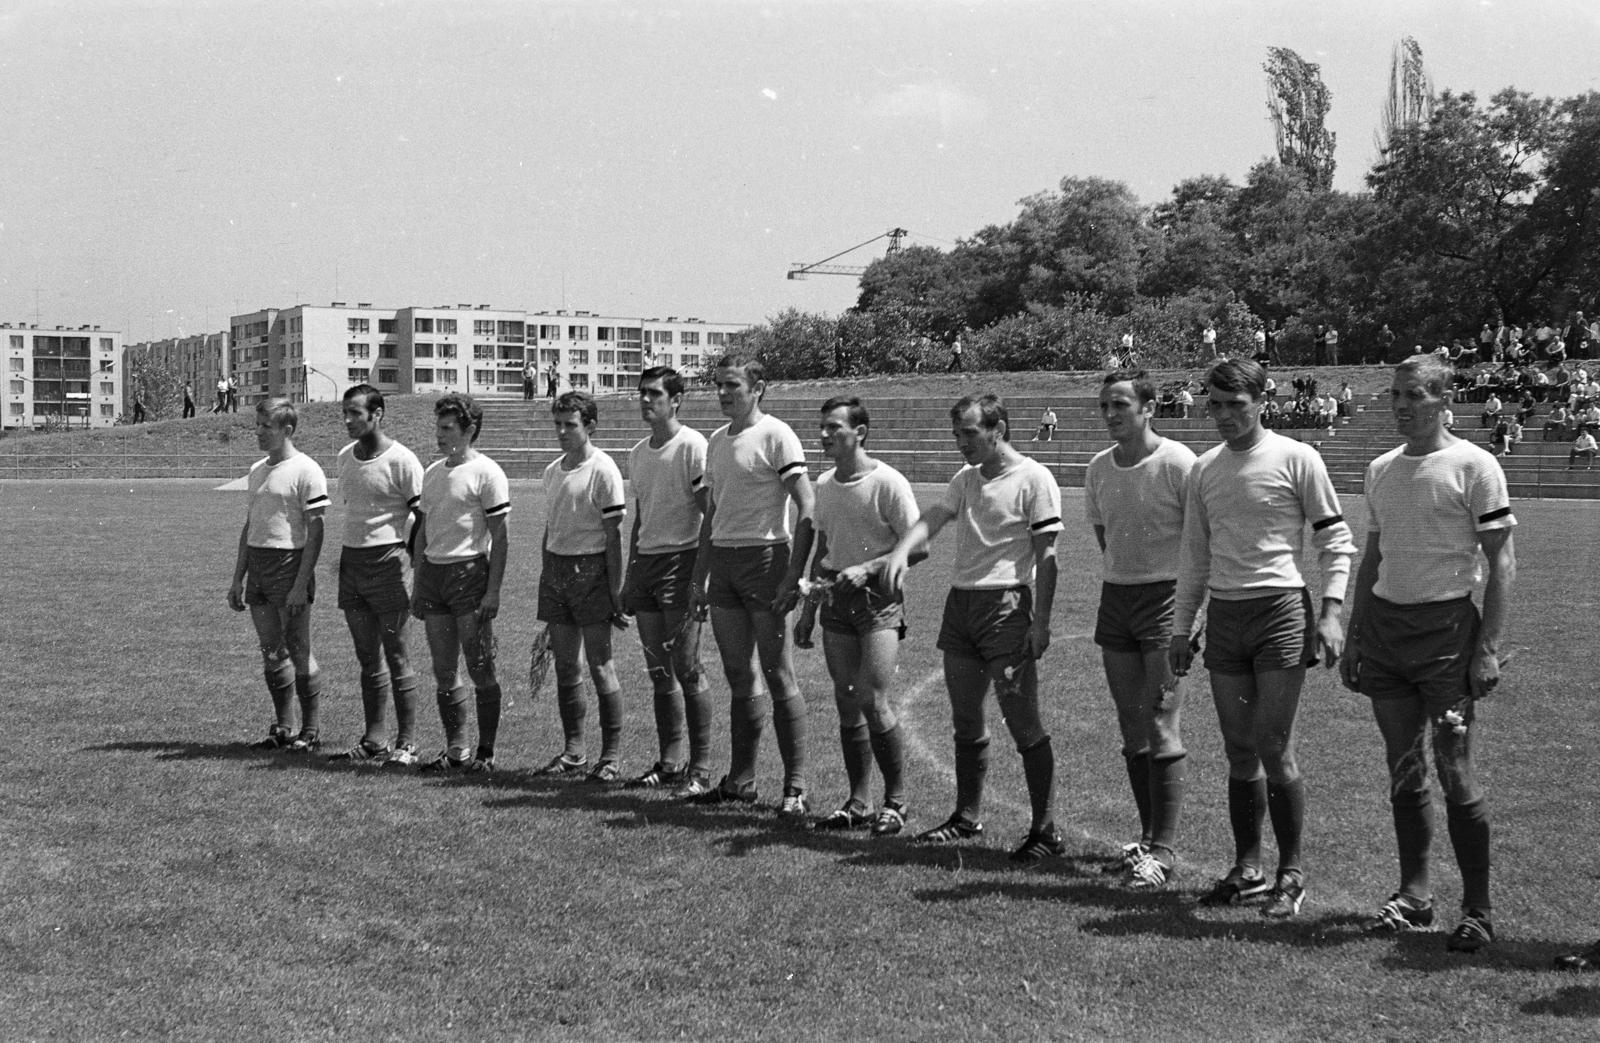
x=1335, y=549
x=805, y=535
x=1497, y=598
x=1044, y=588
x=614, y=563
x=312, y=551
x=499, y=551
x=243, y=557
x=1366, y=579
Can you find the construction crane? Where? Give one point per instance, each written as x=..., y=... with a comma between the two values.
x=822, y=267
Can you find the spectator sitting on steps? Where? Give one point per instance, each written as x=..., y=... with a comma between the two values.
x=1491, y=411
x=1557, y=424
x=1585, y=447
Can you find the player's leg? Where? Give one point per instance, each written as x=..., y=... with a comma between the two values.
x=366, y=634
x=1452, y=716
x=278, y=670
x=608, y=693
x=566, y=653
x=1277, y=707
x=1125, y=676
x=444, y=648
x=1234, y=696
x=697, y=709
x=1402, y=720
x=392, y=626
x=1016, y=689
x=307, y=676
x=966, y=679
x=843, y=654
x=655, y=638
x=879, y=659
x=775, y=650
x=736, y=644
x=478, y=649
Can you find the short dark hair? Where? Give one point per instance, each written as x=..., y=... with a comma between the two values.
x=671, y=379
x=1238, y=375
x=754, y=371
x=1143, y=386
x=991, y=411
x=579, y=402
x=371, y=397
x=858, y=412
x=467, y=413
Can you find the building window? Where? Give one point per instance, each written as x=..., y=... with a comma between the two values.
x=444, y=376
x=16, y=343
x=577, y=333
x=482, y=328
x=107, y=388
x=423, y=351
x=608, y=380
x=510, y=353
x=447, y=351
x=579, y=356
x=605, y=333
x=105, y=343
x=386, y=325
x=358, y=351
x=483, y=352
x=716, y=340
x=19, y=409
x=662, y=358
x=388, y=351
x=18, y=387
x=579, y=380
x=509, y=376
x=630, y=359
x=106, y=365
x=606, y=357
x=483, y=377
x=663, y=336
x=107, y=409
x=549, y=355
x=689, y=339
x=446, y=326
x=508, y=329
x=388, y=376
x=422, y=326
x=423, y=376
x=549, y=332
x=359, y=325
x=356, y=376
x=630, y=333
x=16, y=365
x=690, y=361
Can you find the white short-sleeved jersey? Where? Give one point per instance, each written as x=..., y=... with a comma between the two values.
x=745, y=473
x=665, y=483
x=579, y=501
x=1141, y=510
x=865, y=517
x=457, y=503
x=1245, y=520
x=996, y=520
x=378, y=494
x=1427, y=512
x=282, y=497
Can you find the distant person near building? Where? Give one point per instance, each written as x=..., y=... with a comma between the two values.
x=957, y=364
x=233, y=394
x=222, y=396
x=552, y=381
x=528, y=374
x=188, y=400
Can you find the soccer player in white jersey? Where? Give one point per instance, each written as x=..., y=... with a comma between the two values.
x=380, y=481
x=580, y=584
x=274, y=574
x=1134, y=498
x=864, y=506
x=668, y=470
x=749, y=573
x=461, y=546
x=1418, y=647
x=1007, y=511
x=1250, y=501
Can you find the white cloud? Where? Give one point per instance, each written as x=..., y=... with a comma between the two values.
x=936, y=102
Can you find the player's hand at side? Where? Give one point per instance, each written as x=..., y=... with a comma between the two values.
x=1483, y=675
x=1330, y=639
x=1180, y=655
x=296, y=600
x=619, y=614
x=805, y=626
x=489, y=607
x=1037, y=642
x=236, y=596
x=893, y=572
x=854, y=578
x=788, y=594
x=1350, y=664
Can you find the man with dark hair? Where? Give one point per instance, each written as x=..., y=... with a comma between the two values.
x=1134, y=499
x=1007, y=510
x=864, y=507
x=580, y=584
x=749, y=573
x=462, y=544
x=1418, y=647
x=667, y=470
x=274, y=574
x=1249, y=503
x=380, y=481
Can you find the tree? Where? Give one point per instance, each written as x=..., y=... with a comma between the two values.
x=1192, y=249
x=1298, y=106
x=794, y=345
x=926, y=287
x=160, y=389
x=1409, y=102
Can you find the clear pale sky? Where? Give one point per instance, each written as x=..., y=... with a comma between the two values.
x=167, y=163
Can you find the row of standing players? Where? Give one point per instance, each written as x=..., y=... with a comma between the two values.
x=713, y=533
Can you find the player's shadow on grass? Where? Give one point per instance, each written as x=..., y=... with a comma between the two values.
x=1425, y=951
x=174, y=750
x=643, y=808
x=1571, y=1001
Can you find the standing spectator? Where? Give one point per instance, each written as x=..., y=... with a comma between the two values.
x=233, y=394
x=1208, y=342
x=1127, y=348
x=1330, y=341
x=1319, y=346
x=138, y=407
x=957, y=364
x=222, y=396
x=1385, y=342
x=188, y=400
x=1274, y=337
x=1486, y=341
x=552, y=382
x=1260, y=336
x=528, y=373
x=1576, y=338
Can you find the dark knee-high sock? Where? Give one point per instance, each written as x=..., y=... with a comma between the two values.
x=856, y=742
x=405, y=710
x=453, y=715
x=889, y=750
x=570, y=704
x=1139, y=782
x=697, y=712
x=374, y=706
x=610, y=724
x=488, y=719
x=972, y=767
x=1168, y=776
x=670, y=714
x=1286, y=801
x=1413, y=834
x=1469, y=835
x=1039, y=770
x=308, y=688
x=789, y=724
x=747, y=720
x=1247, y=811
x=280, y=685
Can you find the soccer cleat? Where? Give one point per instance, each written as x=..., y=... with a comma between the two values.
x=1401, y=914
x=695, y=784
x=404, y=756
x=890, y=821
x=479, y=766
x=363, y=752
x=1125, y=859
x=794, y=804
x=305, y=742
x=564, y=764
x=1473, y=934
x=1040, y=844
x=1285, y=898
x=1587, y=960
x=661, y=775
x=1149, y=873
x=278, y=738
x=443, y=764
x=605, y=772
x=1234, y=888
x=853, y=815
x=724, y=793
x=951, y=830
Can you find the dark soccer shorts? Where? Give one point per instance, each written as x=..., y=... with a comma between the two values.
x=1418, y=651
x=575, y=589
x=1274, y=632
x=270, y=574
x=863, y=610
x=373, y=579
x=747, y=577
x=453, y=589
x=986, y=624
x=1135, y=617
x=662, y=582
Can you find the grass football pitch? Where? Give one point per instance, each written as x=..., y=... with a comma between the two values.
x=157, y=880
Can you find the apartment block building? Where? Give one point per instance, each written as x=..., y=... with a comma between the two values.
x=63, y=375
x=201, y=360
